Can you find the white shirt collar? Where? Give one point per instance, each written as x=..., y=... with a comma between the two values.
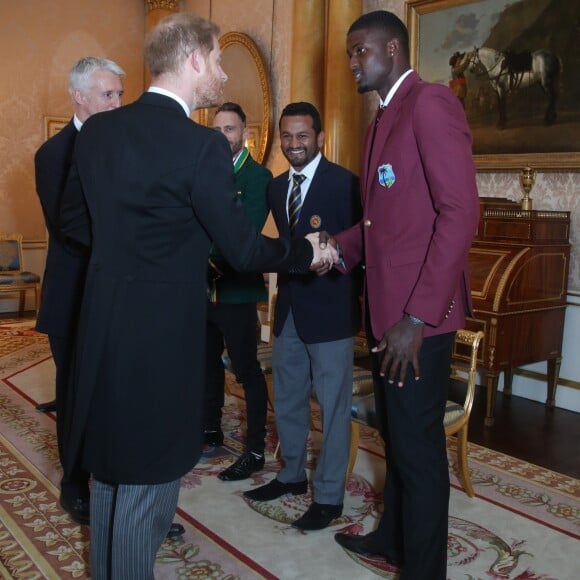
x=394, y=88
x=236, y=156
x=173, y=96
x=77, y=122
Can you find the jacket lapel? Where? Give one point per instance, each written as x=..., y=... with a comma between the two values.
x=311, y=204
x=385, y=125
x=280, y=201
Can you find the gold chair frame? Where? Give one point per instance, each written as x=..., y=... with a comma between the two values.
x=456, y=421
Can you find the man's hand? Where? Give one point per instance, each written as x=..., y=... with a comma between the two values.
x=401, y=344
x=325, y=242
x=324, y=256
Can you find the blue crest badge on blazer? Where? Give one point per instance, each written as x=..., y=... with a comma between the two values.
x=386, y=175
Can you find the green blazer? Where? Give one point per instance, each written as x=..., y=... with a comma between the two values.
x=252, y=181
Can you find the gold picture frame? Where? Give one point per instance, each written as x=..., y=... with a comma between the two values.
x=440, y=28
x=249, y=86
x=254, y=139
x=52, y=125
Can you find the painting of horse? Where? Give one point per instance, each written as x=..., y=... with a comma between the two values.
x=513, y=65
x=508, y=72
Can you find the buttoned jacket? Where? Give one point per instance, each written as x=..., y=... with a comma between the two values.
x=420, y=211
x=324, y=308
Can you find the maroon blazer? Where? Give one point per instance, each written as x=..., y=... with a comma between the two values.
x=420, y=211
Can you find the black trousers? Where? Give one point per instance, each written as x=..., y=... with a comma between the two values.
x=235, y=327
x=77, y=482
x=413, y=528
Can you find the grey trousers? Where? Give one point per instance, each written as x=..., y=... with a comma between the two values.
x=128, y=525
x=297, y=369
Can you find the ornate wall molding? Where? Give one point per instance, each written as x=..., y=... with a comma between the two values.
x=162, y=4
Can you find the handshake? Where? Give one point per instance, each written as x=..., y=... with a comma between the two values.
x=325, y=253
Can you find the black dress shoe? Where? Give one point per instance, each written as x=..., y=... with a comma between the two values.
x=366, y=546
x=175, y=531
x=213, y=438
x=77, y=508
x=276, y=489
x=318, y=516
x=245, y=465
x=48, y=407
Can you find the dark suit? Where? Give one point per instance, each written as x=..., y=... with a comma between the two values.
x=315, y=320
x=232, y=319
x=157, y=188
x=420, y=213
x=63, y=279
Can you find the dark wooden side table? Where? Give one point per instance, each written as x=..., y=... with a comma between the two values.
x=519, y=277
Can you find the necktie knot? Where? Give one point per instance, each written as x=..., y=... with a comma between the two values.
x=298, y=178
x=295, y=201
x=380, y=112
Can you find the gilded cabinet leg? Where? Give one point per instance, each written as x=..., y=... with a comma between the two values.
x=508, y=376
x=553, y=375
x=491, y=383
x=21, y=302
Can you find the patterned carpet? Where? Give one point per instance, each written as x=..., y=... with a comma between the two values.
x=523, y=524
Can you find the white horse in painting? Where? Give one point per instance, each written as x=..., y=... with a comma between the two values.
x=508, y=72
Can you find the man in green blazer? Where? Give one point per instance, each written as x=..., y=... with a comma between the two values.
x=232, y=316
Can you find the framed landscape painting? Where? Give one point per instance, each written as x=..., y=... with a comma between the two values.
x=514, y=64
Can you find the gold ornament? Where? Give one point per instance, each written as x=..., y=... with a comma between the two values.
x=527, y=179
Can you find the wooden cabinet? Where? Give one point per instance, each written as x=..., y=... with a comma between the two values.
x=519, y=272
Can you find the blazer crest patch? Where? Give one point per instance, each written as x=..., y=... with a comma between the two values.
x=386, y=175
x=315, y=221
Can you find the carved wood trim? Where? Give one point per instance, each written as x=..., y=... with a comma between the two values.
x=151, y=5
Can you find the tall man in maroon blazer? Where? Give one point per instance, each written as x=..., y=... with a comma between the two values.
x=420, y=213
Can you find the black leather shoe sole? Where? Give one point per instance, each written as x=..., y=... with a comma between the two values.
x=276, y=489
x=244, y=466
x=175, y=531
x=77, y=508
x=318, y=516
x=364, y=546
x=48, y=407
x=213, y=438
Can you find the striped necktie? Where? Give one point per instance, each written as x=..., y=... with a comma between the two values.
x=295, y=201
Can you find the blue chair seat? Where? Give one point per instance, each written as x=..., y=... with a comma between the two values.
x=18, y=278
x=13, y=279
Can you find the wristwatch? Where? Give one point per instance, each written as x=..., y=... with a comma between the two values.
x=414, y=320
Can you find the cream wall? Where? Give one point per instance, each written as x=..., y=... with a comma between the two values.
x=39, y=41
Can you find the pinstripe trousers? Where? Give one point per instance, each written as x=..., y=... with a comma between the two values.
x=128, y=525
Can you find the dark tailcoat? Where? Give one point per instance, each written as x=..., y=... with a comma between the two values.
x=324, y=307
x=148, y=190
x=65, y=269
